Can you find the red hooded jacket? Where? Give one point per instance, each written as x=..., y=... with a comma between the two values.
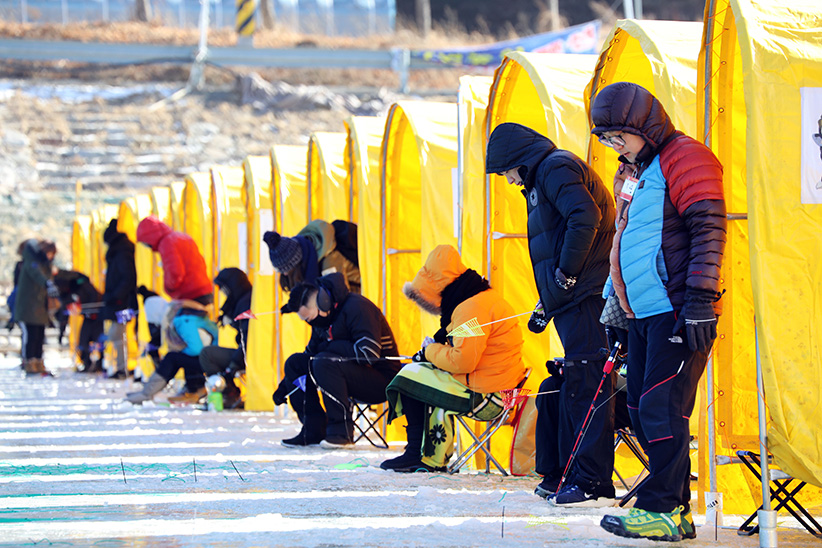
x=184, y=269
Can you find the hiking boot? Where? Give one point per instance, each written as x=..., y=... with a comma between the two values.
x=301, y=440
x=687, y=528
x=403, y=461
x=575, y=496
x=190, y=397
x=644, y=524
x=547, y=487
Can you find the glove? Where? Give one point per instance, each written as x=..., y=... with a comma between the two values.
x=419, y=356
x=51, y=289
x=698, y=318
x=563, y=281
x=426, y=341
x=537, y=323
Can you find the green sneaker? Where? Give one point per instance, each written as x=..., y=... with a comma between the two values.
x=644, y=524
x=686, y=527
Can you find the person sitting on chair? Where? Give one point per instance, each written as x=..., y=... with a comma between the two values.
x=77, y=290
x=345, y=357
x=457, y=372
x=185, y=333
x=217, y=360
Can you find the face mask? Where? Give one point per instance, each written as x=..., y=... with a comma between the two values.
x=321, y=321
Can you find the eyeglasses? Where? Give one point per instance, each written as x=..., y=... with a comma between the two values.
x=613, y=141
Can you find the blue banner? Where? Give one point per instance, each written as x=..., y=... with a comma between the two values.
x=582, y=38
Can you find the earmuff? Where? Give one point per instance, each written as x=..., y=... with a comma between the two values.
x=324, y=301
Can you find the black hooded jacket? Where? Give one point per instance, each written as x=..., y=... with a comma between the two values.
x=570, y=213
x=354, y=328
x=120, y=290
x=235, y=284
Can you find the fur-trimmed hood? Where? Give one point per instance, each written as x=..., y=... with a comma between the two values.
x=442, y=267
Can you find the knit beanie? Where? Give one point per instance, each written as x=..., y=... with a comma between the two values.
x=285, y=253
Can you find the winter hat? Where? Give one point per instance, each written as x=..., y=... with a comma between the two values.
x=111, y=231
x=155, y=309
x=285, y=253
x=442, y=267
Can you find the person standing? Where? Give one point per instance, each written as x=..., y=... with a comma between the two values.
x=34, y=288
x=665, y=269
x=570, y=228
x=119, y=294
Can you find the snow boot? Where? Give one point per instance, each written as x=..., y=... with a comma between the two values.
x=410, y=459
x=151, y=387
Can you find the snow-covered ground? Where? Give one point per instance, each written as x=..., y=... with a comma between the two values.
x=79, y=467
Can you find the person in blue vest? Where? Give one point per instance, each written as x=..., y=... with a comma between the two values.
x=666, y=271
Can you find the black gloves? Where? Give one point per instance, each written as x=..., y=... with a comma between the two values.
x=698, y=318
x=419, y=356
x=280, y=396
x=537, y=323
x=563, y=281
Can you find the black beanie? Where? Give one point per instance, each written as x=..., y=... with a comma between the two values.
x=285, y=253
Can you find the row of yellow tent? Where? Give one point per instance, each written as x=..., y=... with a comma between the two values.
x=415, y=179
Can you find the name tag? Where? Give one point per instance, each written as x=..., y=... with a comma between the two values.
x=628, y=188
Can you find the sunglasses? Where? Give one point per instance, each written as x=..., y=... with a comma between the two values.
x=613, y=141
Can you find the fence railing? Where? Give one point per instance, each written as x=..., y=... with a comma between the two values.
x=329, y=17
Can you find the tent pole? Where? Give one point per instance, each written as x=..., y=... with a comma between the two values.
x=767, y=517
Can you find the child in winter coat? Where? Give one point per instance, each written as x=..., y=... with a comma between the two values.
x=34, y=288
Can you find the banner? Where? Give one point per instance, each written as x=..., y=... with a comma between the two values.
x=582, y=38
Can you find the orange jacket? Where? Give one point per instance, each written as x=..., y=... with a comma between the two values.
x=487, y=363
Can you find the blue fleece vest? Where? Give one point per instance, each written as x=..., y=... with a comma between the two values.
x=640, y=253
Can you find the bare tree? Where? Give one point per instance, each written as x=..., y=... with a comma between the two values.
x=423, y=16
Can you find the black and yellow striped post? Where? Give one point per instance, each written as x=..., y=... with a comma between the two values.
x=246, y=14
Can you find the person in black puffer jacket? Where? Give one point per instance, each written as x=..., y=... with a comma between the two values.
x=570, y=229
x=346, y=356
x=120, y=293
x=217, y=360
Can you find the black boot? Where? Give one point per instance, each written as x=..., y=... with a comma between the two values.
x=310, y=412
x=414, y=411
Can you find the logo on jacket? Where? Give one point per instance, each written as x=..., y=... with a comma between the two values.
x=676, y=339
x=532, y=197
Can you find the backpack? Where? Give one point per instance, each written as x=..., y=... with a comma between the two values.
x=345, y=234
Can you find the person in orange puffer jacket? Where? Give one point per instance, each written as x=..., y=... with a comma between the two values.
x=453, y=374
x=184, y=269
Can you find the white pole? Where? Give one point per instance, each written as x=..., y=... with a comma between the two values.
x=105, y=11
x=24, y=11
x=64, y=9
x=767, y=517
x=629, y=8
x=638, y=9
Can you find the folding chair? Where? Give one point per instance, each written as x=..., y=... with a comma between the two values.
x=781, y=492
x=482, y=442
x=628, y=438
x=366, y=426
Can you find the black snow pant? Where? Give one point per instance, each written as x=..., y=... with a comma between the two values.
x=585, y=343
x=33, y=336
x=663, y=374
x=214, y=360
x=550, y=459
x=339, y=379
x=174, y=361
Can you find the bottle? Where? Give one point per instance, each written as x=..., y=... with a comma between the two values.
x=215, y=400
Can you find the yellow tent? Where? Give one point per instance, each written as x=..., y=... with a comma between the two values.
x=132, y=211
x=81, y=261
x=419, y=161
x=177, y=205
x=362, y=165
x=288, y=192
x=160, y=208
x=261, y=359
x=329, y=194
x=197, y=217
x=472, y=99
x=99, y=222
x=757, y=56
x=229, y=232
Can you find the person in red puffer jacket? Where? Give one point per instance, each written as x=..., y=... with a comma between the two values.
x=184, y=269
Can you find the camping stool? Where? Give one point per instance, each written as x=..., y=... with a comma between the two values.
x=509, y=415
x=366, y=426
x=780, y=483
x=627, y=437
